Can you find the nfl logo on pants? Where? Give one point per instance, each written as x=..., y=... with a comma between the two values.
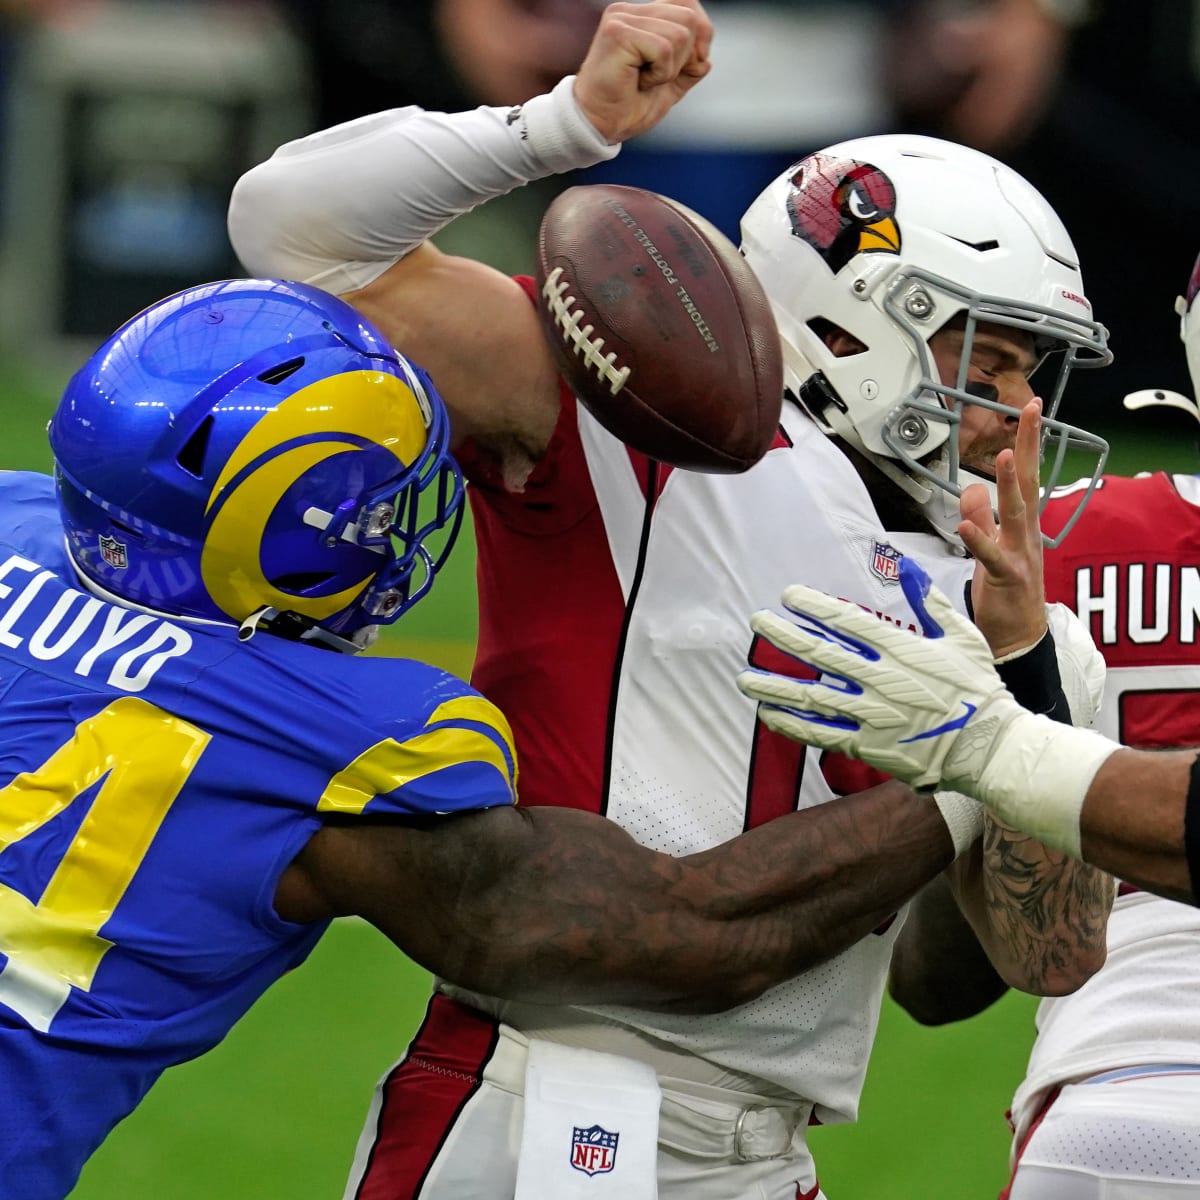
x=593, y=1150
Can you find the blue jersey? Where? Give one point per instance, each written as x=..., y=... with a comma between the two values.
x=156, y=778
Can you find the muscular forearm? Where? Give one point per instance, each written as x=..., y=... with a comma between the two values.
x=801, y=889
x=586, y=913
x=714, y=929
x=1040, y=915
x=1011, y=913
x=1133, y=820
x=554, y=905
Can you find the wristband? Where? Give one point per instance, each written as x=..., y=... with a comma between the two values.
x=963, y=817
x=1037, y=775
x=559, y=135
x=1033, y=678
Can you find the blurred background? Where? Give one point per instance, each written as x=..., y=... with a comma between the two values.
x=123, y=125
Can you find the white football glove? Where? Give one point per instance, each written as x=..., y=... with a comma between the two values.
x=929, y=710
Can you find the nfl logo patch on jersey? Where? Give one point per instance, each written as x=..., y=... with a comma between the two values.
x=593, y=1150
x=885, y=562
x=113, y=552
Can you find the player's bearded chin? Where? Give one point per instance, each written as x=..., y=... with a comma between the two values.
x=979, y=453
x=977, y=450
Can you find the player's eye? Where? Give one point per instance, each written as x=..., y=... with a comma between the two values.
x=987, y=363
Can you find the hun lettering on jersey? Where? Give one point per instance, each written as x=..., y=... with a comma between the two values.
x=1127, y=565
x=1140, y=600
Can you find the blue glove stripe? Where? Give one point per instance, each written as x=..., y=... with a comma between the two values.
x=915, y=584
x=837, y=683
x=827, y=633
x=948, y=727
x=812, y=717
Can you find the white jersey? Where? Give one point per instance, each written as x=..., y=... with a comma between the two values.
x=686, y=764
x=1139, y=1010
x=719, y=548
x=1129, y=566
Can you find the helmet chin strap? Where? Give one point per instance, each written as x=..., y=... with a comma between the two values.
x=946, y=515
x=296, y=628
x=939, y=506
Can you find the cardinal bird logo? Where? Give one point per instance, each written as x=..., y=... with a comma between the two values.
x=842, y=208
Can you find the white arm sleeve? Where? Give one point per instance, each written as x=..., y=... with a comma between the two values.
x=1081, y=666
x=339, y=207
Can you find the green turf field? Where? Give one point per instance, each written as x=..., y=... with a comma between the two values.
x=273, y=1113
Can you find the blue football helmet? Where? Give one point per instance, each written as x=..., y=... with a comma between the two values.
x=253, y=444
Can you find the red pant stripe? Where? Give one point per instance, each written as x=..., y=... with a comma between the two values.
x=423, y=1096
x=1051, y=1096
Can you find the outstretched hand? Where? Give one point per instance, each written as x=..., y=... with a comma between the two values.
x=1008, y=592
x=643, y=59
x=926, y=709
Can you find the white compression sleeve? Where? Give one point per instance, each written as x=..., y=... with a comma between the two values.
x=337, y=208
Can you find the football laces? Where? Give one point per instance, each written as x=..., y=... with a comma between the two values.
x=578, y=335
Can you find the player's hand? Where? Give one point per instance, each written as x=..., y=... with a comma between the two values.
x=928, y=710
x=643, y=59
x=1008, y=593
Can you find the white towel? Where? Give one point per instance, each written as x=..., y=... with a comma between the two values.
x=591, y=1126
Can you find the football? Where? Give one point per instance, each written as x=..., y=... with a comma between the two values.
x=659, y=327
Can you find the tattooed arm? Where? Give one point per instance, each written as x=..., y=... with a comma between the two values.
x=1040, y=916
x=1042, y=924
x=556, y=905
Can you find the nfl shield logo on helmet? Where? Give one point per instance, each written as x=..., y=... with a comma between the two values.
x=113, y=552
x=885, y=562
x=593, y=1150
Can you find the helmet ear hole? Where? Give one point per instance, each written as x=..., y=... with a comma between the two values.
x=191, y=454
x=277, y=375
x=301, y=582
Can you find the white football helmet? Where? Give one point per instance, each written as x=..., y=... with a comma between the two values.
x=889, y=238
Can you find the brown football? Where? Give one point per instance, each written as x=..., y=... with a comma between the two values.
x=660, y=327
